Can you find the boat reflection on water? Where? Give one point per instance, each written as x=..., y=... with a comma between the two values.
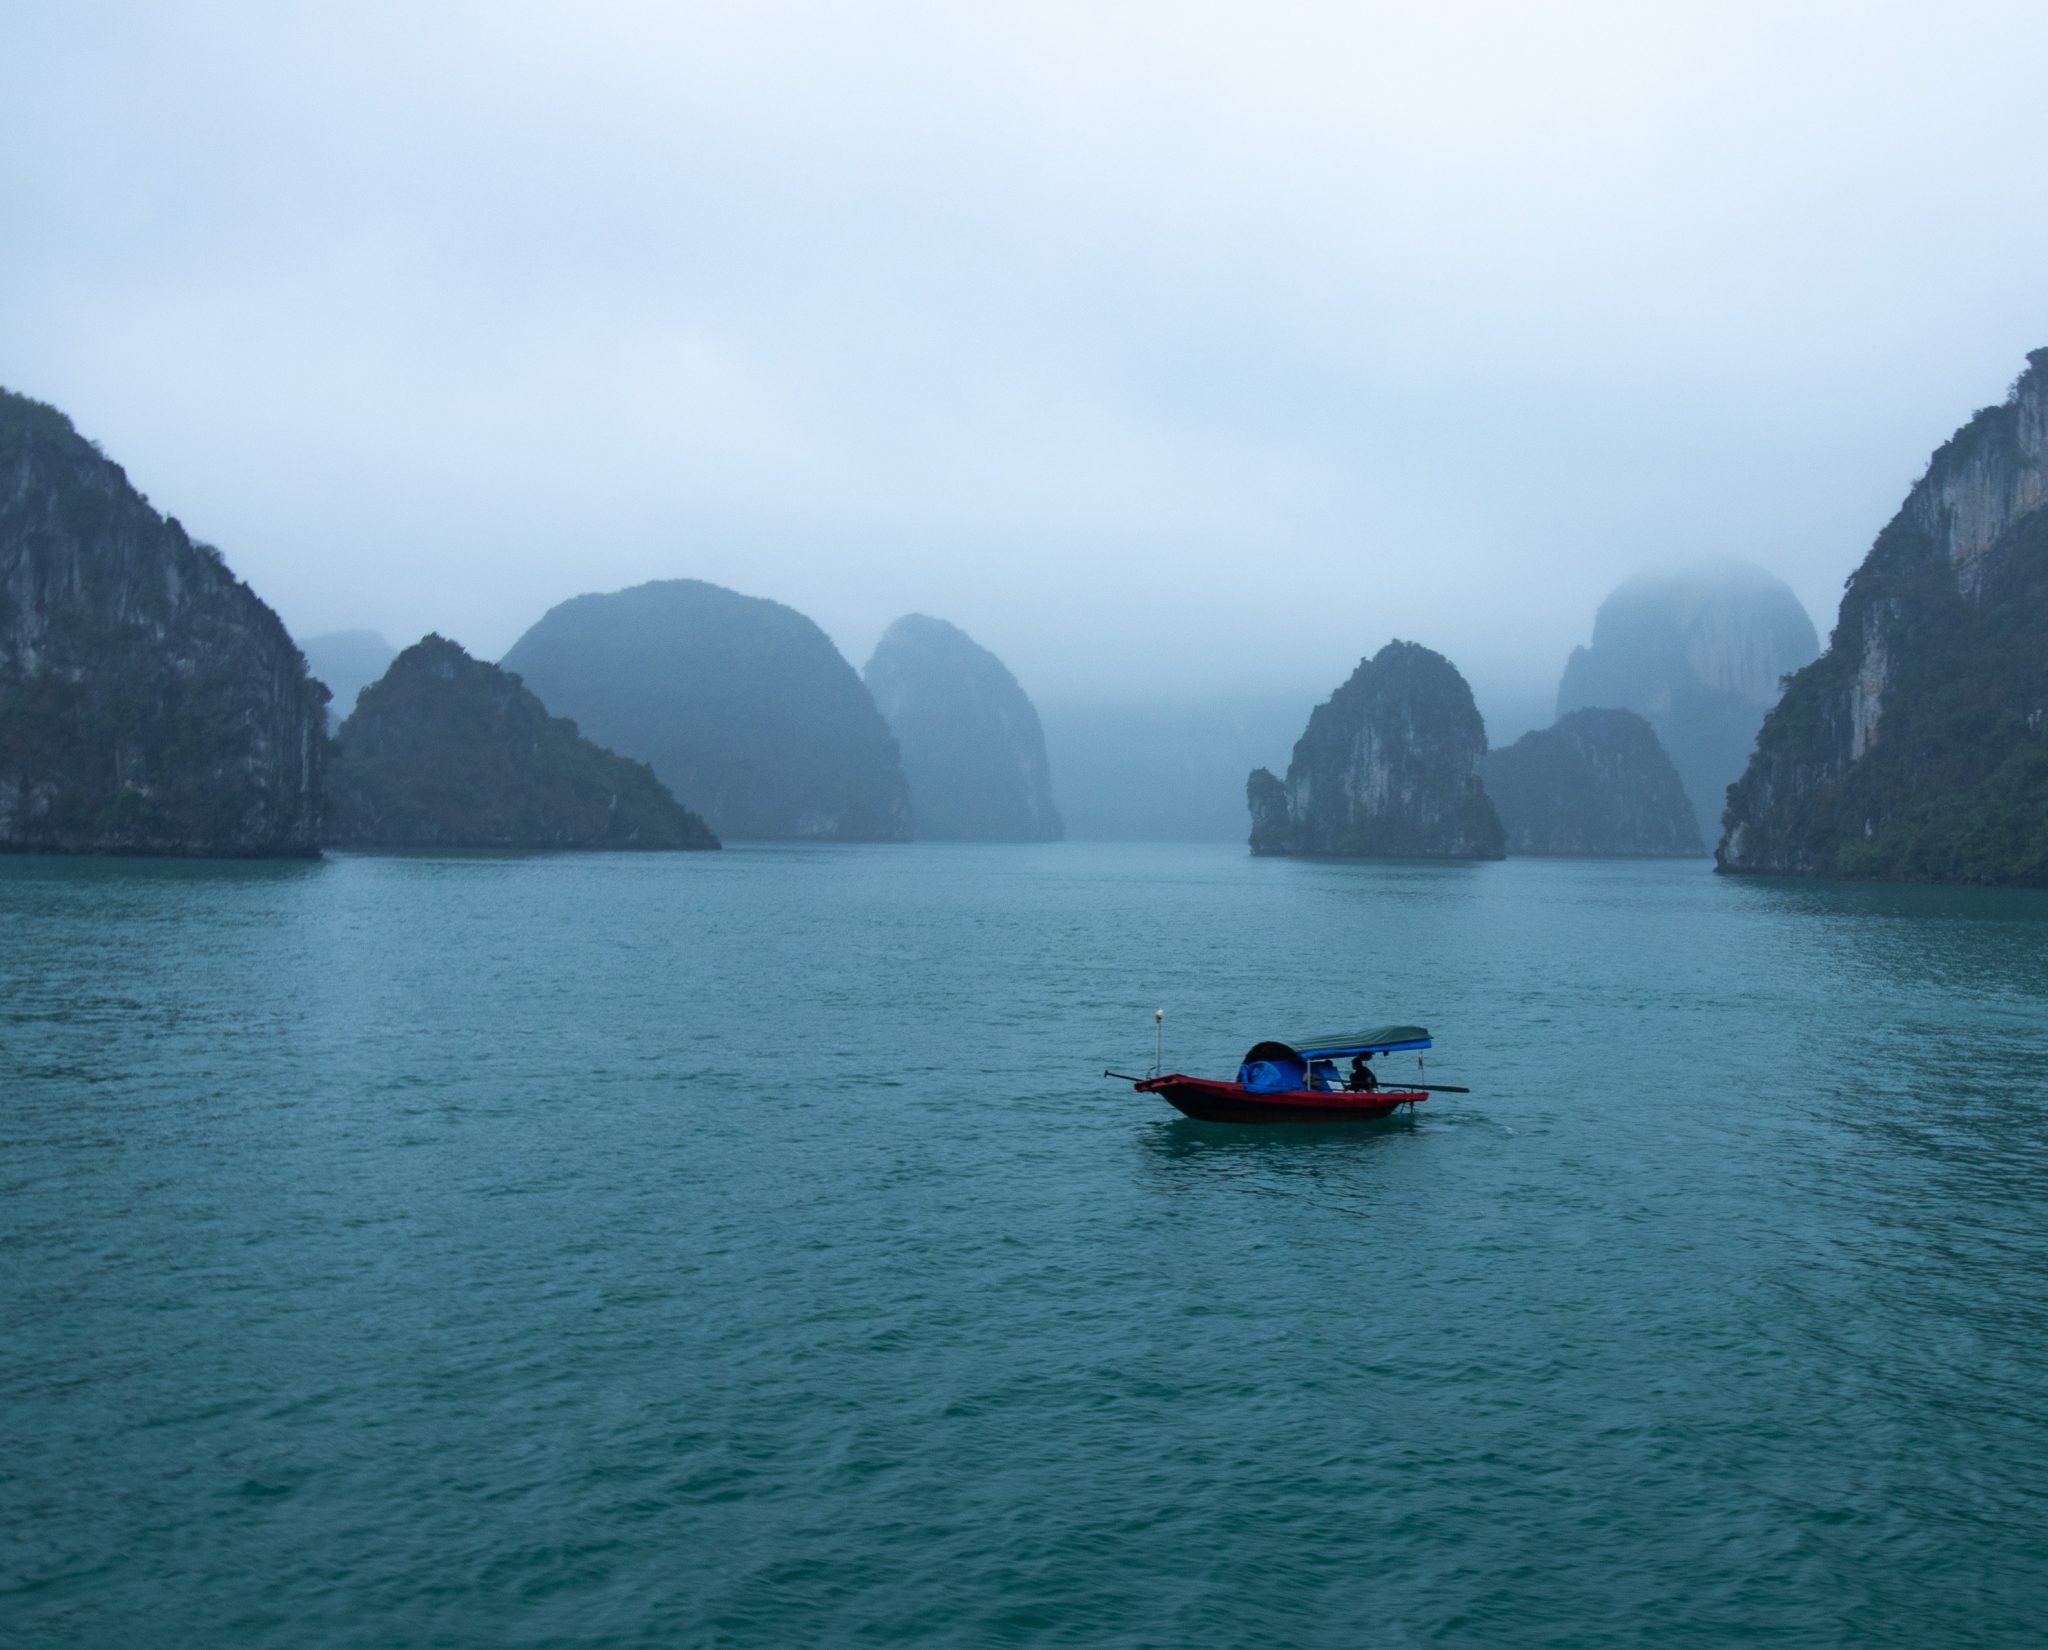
x=1340, y=1165
x=1186, y=1139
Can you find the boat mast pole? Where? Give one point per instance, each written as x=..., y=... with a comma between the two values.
x=1158, y=1041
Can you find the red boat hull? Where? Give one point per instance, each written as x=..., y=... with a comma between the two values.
x=1233, y=1103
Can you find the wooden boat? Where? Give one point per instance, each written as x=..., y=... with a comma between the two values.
x=1214, y=1102
x=1299, y=1083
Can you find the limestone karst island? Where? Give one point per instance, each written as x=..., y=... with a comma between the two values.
x=155, y=705
x=150, y=703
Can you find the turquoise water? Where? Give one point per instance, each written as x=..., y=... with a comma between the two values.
x=742, y=1250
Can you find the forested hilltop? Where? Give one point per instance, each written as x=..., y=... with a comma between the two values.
x=1386, y=767
x=1916, y=747
x=1598, y=783
x=446, y=751
x=150, y=703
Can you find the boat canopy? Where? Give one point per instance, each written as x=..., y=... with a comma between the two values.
x=1378, y=1040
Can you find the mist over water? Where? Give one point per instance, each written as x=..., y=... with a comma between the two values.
x=1147, y=773
x=1169, y=769
x=742, y=1249
x=1134, y=340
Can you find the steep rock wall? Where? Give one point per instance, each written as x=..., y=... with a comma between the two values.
x=150, y=703
x=1916, y=747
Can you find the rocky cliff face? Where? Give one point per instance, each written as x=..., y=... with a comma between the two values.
x=446, y=751
x=1386, y=767
x=1916, y=747
x=743, y=707
x=1699, y=654
x=346, y=661
x=149, y=702
x=972, y=747
x=1597, y=783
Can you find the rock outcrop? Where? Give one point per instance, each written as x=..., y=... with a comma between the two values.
x=973, y=750
x=347, y=661
x=1385, y=768
x=1699, y=654
x=1916, y=747
x=150, y=703
x=1596, y=784
x=743, y=707
x=446, y=751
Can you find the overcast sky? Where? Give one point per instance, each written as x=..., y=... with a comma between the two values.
x=1170, y=349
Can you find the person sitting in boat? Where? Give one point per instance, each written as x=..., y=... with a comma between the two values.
x=1361, y=1080
x=1322, y=1076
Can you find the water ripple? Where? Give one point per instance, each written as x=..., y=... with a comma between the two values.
x=736, y=1250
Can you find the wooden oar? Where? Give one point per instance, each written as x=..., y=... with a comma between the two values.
x=1413, y=1088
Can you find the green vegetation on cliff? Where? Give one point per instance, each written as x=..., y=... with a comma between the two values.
x=446, y=751
x=150, y=703
x=1916, y=747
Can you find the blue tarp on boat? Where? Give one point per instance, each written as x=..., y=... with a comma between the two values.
x=1272, y=1068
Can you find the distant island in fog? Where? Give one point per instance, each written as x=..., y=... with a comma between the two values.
x=152, y=703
